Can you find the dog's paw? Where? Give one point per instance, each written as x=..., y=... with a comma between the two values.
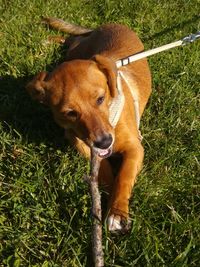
x=114, y=223
x=117, y=223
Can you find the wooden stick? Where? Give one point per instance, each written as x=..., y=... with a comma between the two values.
x=97, y=250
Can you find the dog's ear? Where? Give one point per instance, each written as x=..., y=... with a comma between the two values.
x=37, y=88
x=108, y=67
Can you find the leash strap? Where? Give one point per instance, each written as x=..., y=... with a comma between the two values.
x=186, y=40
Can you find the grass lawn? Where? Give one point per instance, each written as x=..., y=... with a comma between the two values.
x=45, y=206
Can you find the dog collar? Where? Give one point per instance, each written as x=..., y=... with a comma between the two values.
x=117, y=104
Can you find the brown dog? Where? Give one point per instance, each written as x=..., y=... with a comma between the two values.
x=81, y=92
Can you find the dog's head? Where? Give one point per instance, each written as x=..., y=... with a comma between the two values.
x=79, y=93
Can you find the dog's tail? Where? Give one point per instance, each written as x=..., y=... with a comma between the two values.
x=63, y=26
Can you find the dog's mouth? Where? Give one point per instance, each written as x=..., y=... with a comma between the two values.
x=104, y=153
x=101, y=152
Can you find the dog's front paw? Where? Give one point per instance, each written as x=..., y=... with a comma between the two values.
x=117, y=223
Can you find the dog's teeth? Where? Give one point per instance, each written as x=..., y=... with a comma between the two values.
x=114, y=223
x=103, y=152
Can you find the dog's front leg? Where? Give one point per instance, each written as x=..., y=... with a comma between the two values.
x=122, y=187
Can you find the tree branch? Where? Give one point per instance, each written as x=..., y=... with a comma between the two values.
x=92, y=180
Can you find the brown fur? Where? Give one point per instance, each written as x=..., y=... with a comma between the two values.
x=72, y=89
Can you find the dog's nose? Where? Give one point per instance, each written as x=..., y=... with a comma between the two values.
x=103, y=141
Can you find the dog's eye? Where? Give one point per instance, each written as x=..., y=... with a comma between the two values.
x=100, y=100
x=72, y=114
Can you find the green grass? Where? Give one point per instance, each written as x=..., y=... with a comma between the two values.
x=45, y=207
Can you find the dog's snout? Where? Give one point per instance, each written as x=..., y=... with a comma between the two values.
x=103, y=141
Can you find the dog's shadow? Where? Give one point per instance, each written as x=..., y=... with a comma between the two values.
x=29, y=119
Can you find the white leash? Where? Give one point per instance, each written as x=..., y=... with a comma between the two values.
x=186, y=40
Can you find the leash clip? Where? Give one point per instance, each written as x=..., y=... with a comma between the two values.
x=190, y=38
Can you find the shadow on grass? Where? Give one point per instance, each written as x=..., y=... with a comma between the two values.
x=176, y=26
x=31, y=120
